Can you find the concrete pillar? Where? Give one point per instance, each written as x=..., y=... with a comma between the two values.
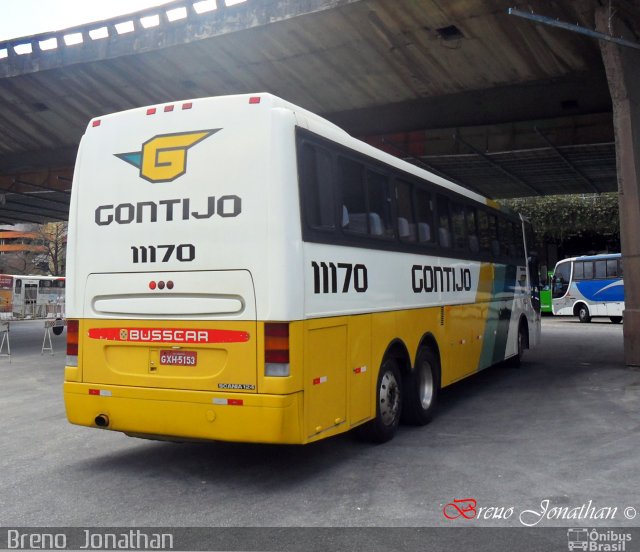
x=622, y=65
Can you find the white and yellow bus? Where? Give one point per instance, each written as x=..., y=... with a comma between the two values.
x=241, y=269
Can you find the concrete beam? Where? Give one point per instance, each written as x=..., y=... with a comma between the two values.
x=574, y=95
x=223, y=20
x=622, y=66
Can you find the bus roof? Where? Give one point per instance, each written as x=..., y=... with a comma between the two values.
x=318, y=124
x=598, y=257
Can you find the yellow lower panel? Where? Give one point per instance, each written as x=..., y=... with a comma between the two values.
x=189, y=414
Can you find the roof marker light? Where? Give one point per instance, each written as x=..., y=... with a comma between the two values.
x=152, y=285
x=187, y=105
x=151, y=111
x=96, y=123
x=254, y=100
x=168, y=108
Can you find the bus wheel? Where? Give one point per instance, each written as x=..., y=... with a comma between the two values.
x=616, y=319
x=421, y=387
x=583, y=314
x=388, y=405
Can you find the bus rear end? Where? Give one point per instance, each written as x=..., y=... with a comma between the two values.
x=167, y=232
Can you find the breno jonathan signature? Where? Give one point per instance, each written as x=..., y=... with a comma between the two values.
x=469, y=509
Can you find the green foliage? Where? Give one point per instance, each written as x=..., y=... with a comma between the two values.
x=558, y=218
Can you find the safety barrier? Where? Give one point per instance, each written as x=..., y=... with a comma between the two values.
x=4, y=330
x=55, y=326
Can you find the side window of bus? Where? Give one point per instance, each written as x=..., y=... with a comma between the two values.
x=424, y=214
x=612, y=268
x=406, y=221
x=493, y=234
x=18, y=287
x=316, y=174
x=379, y=194
x=601, y=269
x=518, y=240
x=505, y=231
x=354, y=211
x=444, y=225
x=484, y=234
x=561, y=279
x=459, y=226
x=472, y=230
x=578, y=270
x=588, y=270
x=620, y=267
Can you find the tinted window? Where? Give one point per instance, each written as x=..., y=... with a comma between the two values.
x=444, y=226
x=612, y=268
x=601, y=269
x=518, y=240
x=353, y=197
x=424, y=216
x=378, y=191
x=493, y=234
x=406, y=222
x=472, y=230
x=578, y=270
x=561, y=279
x=484, y=235
x=318, y=183
x=459, y=226
x=588, y=270
x=505, y=231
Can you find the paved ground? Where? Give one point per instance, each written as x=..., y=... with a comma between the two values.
x=563, y=428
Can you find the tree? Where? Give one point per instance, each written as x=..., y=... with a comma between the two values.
x=585, y=222
x=54, y=238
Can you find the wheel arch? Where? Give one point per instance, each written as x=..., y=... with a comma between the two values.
x=524, y=323
x=429, y=341
x=576, y=307
x=398, y=350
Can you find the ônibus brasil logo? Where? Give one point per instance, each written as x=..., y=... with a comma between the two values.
x=163, y=158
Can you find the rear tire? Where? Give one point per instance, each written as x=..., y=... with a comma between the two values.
x=615, y=319
x=523, y=339
x=421, y=389
x=388, y=405
x=583, y=314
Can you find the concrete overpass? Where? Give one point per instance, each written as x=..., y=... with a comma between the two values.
x=499, y=103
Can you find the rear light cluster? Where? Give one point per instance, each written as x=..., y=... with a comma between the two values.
x=72, y=342
x=160, y=285
x=276, y=349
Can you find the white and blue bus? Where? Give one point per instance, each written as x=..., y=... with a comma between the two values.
x=589, y=286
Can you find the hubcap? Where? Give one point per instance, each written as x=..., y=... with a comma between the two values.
x=425, y=385
x=389, y=398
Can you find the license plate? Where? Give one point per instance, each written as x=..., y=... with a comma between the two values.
x=178, y=358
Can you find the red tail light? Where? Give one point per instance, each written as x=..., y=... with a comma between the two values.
x=276, y=342
x=72, y=342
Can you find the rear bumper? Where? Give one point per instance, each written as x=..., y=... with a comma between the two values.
x=246, y=417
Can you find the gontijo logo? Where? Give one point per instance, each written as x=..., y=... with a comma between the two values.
x=163, y=158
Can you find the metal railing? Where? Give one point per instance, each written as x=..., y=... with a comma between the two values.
x=166, y=15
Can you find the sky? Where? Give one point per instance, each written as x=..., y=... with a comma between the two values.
x=20, y=18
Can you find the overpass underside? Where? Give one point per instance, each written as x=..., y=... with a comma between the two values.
x=501, y=104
